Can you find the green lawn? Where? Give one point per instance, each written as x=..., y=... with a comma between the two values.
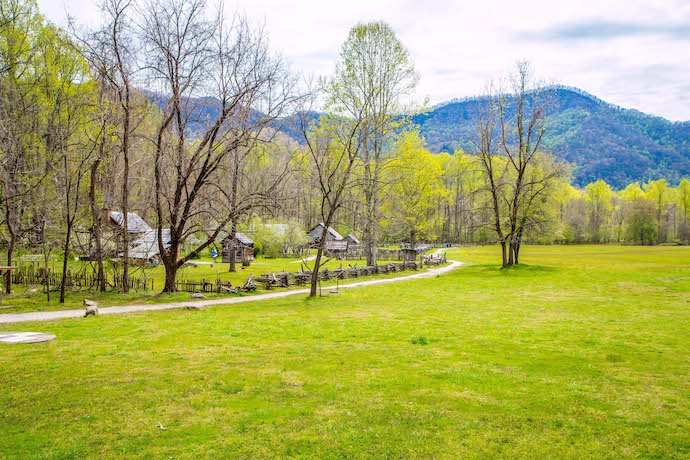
x=32, y=298
x=583, y=352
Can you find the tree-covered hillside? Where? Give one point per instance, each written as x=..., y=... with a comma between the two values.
x=600, y=140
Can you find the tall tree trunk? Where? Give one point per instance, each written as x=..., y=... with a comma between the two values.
x=504, y=254
x=170, y=276
x=125, y=197
x=233, y=249
x=10, y=251
x=63, y=282
x=374, y=217
x=317, y=261
x=233, y=197
x=170, y=262
x=96, y=229
x=516, y=249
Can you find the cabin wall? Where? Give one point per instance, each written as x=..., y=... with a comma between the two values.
x=239, y=251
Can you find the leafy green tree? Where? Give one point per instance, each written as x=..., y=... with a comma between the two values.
x=22, y=117
x=374, y=76
x=641, y=227
x=684, y=205
x=598, y=196
x=68, y=94
x=658, y=193
x=417, y=189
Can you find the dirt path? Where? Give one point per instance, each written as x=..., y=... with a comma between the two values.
x=9, y=318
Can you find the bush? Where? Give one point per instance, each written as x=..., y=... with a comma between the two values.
x=257, y=248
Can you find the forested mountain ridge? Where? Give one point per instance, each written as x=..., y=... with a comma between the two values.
x=600, y=140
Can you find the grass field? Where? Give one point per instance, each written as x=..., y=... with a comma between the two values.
x=582, y=352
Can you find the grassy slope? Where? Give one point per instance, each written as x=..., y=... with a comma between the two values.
x=583, y=352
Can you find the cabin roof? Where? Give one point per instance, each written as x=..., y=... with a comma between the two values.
x=135, y=224
x=241, y=237
x=353, y=238
x=337, y=236
x=146, y=246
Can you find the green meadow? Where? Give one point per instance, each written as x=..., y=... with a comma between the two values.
x=580, y=352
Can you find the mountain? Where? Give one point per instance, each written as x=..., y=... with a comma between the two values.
x=600, y=140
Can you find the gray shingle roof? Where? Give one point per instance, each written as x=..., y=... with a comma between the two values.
x=241, y=237
x=135, y=224
x=353, y=238
x=146, y=246
x=336, y=236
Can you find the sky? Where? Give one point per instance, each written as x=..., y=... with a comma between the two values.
x=633, y=53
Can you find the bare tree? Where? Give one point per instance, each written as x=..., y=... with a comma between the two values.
x=112, y=52
x=333, y=147
x=508, y=143
x=190, y=56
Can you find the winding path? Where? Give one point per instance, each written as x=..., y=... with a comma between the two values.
x=9, y=318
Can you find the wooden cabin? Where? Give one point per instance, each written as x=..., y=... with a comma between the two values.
x=336, y=248
x=316, y=232
x=352, y=242
x=143, y=240
x=242, y=247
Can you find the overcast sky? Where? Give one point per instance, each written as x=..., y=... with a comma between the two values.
x=634, y=53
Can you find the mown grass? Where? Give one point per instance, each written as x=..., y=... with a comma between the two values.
x=582, y=352
x=32, y=298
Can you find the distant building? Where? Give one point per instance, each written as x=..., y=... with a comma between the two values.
x=316, y=232
x=352, y=242
x=143, y=240
x=135, y=224
x=336, y=248
x=242, y=247
x=145, y=247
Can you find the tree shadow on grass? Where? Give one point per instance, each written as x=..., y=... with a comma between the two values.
x=515, y=269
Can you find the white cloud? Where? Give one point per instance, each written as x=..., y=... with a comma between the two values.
x=640, y=61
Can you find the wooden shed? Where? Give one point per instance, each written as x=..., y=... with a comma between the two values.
x=352, y=242
x=241, y=246
x=315, y=235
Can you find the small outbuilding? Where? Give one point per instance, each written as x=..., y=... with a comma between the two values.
x=145, y=247
x=242, y=247
x=336, y=248
x=316, y=232
x=135, y=224
x=410, y=254
x=352, y=242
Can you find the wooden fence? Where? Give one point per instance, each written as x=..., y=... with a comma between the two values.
x=205, y=286
x=27, y=276
x=284, y=279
